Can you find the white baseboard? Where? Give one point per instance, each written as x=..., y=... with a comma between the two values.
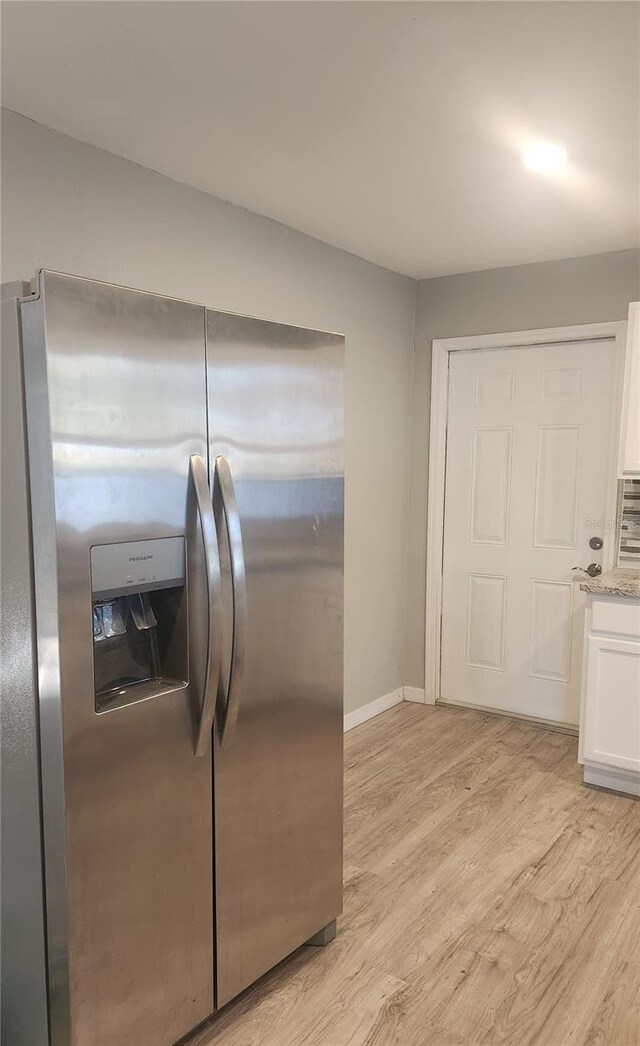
x=414, y=693
x=381, y=704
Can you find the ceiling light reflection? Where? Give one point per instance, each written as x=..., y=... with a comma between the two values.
x=545, y=158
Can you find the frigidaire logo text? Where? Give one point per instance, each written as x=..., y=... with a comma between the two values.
x=136, y=559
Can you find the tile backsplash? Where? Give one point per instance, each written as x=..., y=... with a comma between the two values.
x=629, y=502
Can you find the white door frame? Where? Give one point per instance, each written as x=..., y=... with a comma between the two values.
x=441, y=349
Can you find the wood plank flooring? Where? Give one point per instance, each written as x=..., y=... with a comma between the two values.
x=490, y=898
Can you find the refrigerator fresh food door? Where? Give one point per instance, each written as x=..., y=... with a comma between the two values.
x=116, y=405
x=275, y=400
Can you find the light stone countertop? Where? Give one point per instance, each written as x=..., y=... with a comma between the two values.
x=621, y=581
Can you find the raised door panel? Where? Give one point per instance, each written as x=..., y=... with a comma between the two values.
x=561, y=384
x=493, y=387
x=486, y=606
x=556, y=492
x=612, y=703
x=490, y=486
x=550, y=630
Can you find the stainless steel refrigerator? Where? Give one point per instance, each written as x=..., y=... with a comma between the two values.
x=176, y=490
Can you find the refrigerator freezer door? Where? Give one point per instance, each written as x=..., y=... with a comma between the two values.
x=276, y=420
x=116, y=406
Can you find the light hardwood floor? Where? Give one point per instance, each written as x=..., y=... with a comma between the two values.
x=489, y=898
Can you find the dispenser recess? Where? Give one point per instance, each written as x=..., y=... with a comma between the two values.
x=139, y=620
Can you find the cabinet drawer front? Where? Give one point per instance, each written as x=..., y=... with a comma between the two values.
x=612, y=706
x=622, y=618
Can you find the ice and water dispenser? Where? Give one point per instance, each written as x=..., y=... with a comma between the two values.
x=140, y=642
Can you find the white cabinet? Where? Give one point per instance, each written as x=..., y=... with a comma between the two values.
x=610, y=717
x=630, y=431
x=617, y=616
x=612, y=726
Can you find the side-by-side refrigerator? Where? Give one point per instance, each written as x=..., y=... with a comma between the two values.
x=172, y=650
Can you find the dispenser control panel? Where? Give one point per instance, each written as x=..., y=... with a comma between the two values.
x=139, y=566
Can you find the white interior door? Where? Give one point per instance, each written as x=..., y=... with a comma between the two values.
x=529, y=458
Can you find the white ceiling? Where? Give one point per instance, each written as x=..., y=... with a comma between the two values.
x=392, y=130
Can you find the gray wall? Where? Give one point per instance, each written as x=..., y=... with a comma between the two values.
x=548, y=294
x=71, y=207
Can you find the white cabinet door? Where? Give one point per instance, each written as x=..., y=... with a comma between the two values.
x=630, y=442
x=612, y=703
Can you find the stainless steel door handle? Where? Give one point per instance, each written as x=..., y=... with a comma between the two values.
x=198, y=471
x=592, y=570
x=231, y=700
